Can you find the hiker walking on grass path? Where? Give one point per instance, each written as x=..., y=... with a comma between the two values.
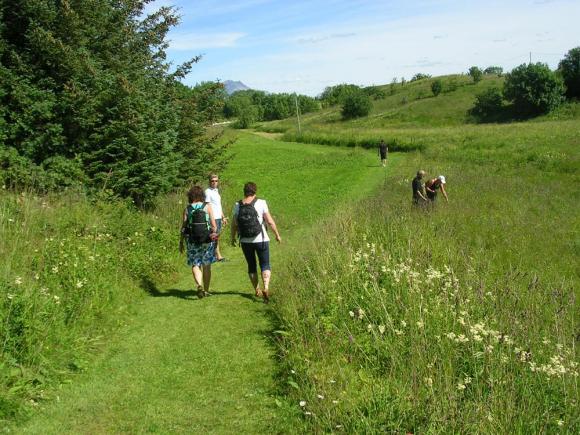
x=213, y=197
x=383, y=152
x=199, y=231
x=433, y=185
x=419, y=194
x=250, y=216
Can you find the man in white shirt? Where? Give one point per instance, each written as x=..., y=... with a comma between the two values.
x=213, y=197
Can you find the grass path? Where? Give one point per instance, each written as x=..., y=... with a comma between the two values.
x=184, y=365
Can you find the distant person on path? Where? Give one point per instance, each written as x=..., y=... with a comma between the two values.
x=383, y=152
x=199, y=231
x=433, y=185
x=213, y=197
x=250, y=215
x=419, y=194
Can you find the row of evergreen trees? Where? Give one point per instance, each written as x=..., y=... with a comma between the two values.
x=87, y=98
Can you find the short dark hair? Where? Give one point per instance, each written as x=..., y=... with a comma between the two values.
x=250, y=188
x=196, y=194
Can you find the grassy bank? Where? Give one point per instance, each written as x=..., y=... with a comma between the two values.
x=71, y=271
x=458, y=319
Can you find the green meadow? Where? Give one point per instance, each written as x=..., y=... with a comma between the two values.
x=460, y=318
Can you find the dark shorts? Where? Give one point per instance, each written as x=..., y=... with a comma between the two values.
x=260, y=249
x=432, y=196
x=218, y=223
x=383, y=156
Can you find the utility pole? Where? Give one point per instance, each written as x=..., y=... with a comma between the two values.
x=530, y=57
x=297, y=113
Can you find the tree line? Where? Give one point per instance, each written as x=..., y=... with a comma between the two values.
x=87, y=99
x=249, y=106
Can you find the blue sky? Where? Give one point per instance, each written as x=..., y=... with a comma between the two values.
x=304, y=46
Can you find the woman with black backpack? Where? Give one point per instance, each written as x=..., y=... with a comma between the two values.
x=199, y=230
x=250, y=215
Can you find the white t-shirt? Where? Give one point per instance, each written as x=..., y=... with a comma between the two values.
x=261, y=207
x=214, y=198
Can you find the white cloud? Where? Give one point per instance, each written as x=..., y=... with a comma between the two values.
x=196, y=41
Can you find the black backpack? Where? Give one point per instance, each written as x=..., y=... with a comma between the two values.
x=196, y=226
x=248, y=223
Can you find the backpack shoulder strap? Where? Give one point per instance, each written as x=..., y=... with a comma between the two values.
x=254, y=201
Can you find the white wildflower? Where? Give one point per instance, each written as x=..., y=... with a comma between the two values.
x=420, y=324
x=382, y=329
x=303, y=403
x=460, y=387
x=320, y=396
x=429, y=381
x=18, y=280
x=398, y=332
x=79, y=284
x=351, y=313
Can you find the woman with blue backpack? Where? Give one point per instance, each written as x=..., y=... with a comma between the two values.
x=250, y=216
x=199, y=231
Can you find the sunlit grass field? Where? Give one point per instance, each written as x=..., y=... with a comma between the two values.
x=456, y=319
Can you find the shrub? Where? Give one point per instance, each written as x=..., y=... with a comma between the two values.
x=497, y=70
x=476, y=74
x=420, y=76
x=334, y=95
x=356, y=105
x=452, y=85
x=437, y=87
x=533, y=89
x=487, y=104
x=569, y=67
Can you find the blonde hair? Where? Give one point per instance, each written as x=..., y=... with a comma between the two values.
x=212, y=175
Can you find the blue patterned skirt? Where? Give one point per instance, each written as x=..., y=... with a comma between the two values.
x=200, y=255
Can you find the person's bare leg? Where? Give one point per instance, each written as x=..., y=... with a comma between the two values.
x=198, y=278
x=266, y=280
x=255, y=282
x=206, y=277
x=218, y=254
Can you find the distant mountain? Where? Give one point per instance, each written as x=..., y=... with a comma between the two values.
x=232, y=86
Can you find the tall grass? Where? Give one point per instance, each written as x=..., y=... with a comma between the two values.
x=456, y=319
x=353, y=140
x=70, y=271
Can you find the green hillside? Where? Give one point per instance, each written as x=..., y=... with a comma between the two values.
x=412, y=105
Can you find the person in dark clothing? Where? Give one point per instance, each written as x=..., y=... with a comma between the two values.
x=419, y=195
x=433, y=185
x=383, y=152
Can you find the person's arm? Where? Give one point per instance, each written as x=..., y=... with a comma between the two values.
x=268, y=218
x=428, y=189
x=444, y=192
x=234, y=229
x=181, y=233
x=423, y=197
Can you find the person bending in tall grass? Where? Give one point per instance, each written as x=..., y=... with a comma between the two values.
x=250, y=216
x=433, y=185
x=200, y=238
